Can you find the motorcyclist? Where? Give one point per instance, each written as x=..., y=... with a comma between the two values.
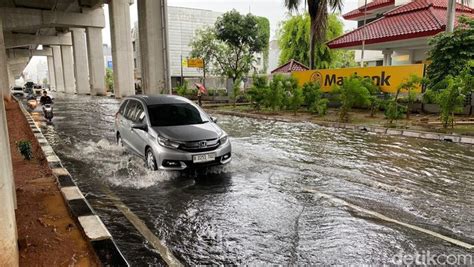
x=45, y=99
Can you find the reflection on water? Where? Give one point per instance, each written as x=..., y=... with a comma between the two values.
x=254, y=210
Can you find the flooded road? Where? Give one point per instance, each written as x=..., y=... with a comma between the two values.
x=289, y=196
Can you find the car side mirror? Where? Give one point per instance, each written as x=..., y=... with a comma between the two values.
x=213, y=119
x=140, y=126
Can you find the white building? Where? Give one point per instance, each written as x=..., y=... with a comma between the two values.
x=396, y=32
x=183, y=24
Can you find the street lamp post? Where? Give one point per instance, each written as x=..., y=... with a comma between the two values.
x=451, y=15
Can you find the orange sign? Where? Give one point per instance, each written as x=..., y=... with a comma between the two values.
x=195, y=63
x=388, y=78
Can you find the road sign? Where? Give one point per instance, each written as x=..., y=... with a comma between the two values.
x=195, y=63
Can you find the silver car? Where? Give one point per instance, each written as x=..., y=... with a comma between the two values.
x=171, y=133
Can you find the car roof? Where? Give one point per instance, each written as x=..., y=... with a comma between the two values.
x=159, y=99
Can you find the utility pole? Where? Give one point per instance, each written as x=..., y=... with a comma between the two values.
x=451, y=15
x=363, y=35
x=182, y=78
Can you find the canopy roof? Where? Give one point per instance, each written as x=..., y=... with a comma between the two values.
x=290, y=66
x=374, y=5
x=421, y=18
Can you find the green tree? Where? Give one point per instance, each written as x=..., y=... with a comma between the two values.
x=294, y=42
x=294, y=95
x=374, y=90
x=230, y=45
x=352, y=92
x=451, y=100
x=318, y=13
x=408, y=87
x=259, y=91
x=45, y=81
x=276, y=93
x=109, y=79
x=264, y=27
x=343, y=58
x=451, y=51
x=311, y=94
x=313, y=98
x=393, y=109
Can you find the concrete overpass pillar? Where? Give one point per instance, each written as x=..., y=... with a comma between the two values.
x=58, y=68
x=51, y=76
x=68, y=69
x=11, y=78
x=3, y=66
x=122, y=54
x=387, y=57
x=152, y=20
x=96, y=61
x=8, y=234
x=81, y=71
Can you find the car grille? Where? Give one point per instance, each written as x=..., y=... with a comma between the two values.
x=201, y=146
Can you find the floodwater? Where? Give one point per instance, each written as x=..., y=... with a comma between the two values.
x=264, y=207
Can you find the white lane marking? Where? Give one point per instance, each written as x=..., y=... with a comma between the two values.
x=162, y=249
x=388, y=219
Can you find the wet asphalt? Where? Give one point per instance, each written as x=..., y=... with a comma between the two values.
x=265, y=207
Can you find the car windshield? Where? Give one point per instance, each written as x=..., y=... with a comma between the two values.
x=176, y=114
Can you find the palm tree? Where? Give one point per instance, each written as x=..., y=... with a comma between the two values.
x=318, y=13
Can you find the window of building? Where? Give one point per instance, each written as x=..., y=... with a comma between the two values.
x=133, y=44
x=135, y=63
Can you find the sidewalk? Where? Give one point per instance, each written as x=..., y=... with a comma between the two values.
x=47, y=234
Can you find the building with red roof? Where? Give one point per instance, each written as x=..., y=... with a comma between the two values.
x=400, y=33
x=289, y=67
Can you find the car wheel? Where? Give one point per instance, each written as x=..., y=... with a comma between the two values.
x=119, y=140
x=150, y=160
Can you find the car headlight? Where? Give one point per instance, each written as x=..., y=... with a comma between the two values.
x=224, y=138
x=167, y=143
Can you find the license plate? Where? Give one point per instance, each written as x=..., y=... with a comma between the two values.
x=204, y=158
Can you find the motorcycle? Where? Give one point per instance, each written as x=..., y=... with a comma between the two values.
x=48, y=112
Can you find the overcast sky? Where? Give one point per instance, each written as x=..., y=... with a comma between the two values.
x=272, y=9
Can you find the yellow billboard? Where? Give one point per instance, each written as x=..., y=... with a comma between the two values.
x=388, y=78
x=195, y=63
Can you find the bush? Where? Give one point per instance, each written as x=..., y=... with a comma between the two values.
x=429, y=97
x=109, y=79
x=182, y=89
x=408, y=87
x=276, y=93
x=451, y=100
x=294, y=95
x=258, y=92
x=320, y=107
x=311, y=94
x=236, y=92
x=393, y=110
x=24, y=146
x=351, y=92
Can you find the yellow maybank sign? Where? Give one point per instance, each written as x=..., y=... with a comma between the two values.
x=388, y=78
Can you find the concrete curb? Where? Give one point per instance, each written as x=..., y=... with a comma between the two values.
x=92, y=226
x=462, y=139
